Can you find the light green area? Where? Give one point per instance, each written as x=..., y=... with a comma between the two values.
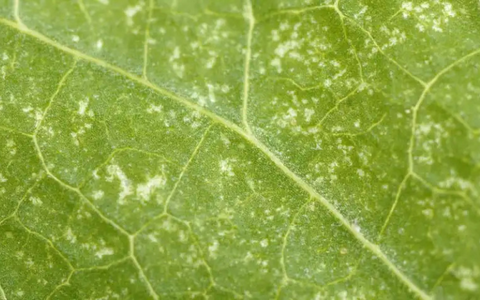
x=239, y=150
x=2, y=294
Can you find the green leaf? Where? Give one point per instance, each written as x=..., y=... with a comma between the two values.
x=239, y=149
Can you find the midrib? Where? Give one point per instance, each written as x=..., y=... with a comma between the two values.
x=375, y=249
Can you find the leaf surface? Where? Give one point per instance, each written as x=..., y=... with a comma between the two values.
x=239, y=149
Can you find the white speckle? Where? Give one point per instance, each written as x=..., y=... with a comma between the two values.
x=292, y=113
x=179, y=69
x=212, y=249
x=97, y=195
x=195, y=45
x=212, y=60
x=36, y=201
x=308, y=113
x=436, y=26
x=447, y=212
x=103, y=252
x=12, y=147
x=420, y=27
x=468, y=278
x=447, y=9
x=29, y=263
x=154, y=108
x=428, y=213
x=439, y=15
x=225, y=88
x=125, y=185
x=284, y=48
x=355, y=226
x=284, y=26
x=75, y=139
x=151, y=41
x=264, y=243
x=82, y=106
x=168, y=225
x=226, y=167
x=425, y=128
x=248, y=257
x=75, y=38
x=275, y=35
x=211, y=93
x=131, y=11
x=69, y=236
x=145, y=190
x=277, y=63
x=99, y=44
x=408, y=6
x=2, y=179
x=468, y=284
x=225, y=140
x=360, y=172
x=152, y=238
x=175, y=55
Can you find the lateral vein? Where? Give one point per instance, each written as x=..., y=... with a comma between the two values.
x=248, y=55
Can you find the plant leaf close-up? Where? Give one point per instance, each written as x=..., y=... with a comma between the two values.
x=239, y=149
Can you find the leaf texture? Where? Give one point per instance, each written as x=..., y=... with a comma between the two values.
x=239, y=149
